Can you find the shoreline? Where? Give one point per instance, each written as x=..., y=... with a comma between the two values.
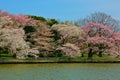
x=51, y=61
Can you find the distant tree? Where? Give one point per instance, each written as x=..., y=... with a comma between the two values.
x=38, y=18
x=100, y=18
x=68, y=22
x=51, y=22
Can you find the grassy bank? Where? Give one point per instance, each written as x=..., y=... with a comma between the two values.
x=56, y=61
x=64, y=59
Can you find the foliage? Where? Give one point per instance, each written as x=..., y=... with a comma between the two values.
x=100, y=39
x=6, y=55
x=70, y=50
x=67, y=36
x=12, y=37
x=13, y=40
x=29, y=29
x=38, y=18
x=44, y=41
x=17, y=21
x=51, y=22
x=68, y=33
x=25, y=36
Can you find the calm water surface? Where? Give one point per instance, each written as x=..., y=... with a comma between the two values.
x=60, y=72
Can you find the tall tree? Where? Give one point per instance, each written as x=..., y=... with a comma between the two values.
x=66, y=37
x=101, y=18
x=99, y=38
x=44, y=41
x=13, y=39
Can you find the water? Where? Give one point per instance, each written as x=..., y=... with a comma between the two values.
x=60, y=72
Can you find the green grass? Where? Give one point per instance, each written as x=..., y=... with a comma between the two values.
x=104, y=57
x=9, y=57
x=6, y=55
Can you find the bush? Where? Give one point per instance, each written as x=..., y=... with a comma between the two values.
x=6, y=55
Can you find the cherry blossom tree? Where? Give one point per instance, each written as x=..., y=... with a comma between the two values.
x=68, y=33
x=44, y=41
x=13, y=39
x=12, y=35
x=99, y=38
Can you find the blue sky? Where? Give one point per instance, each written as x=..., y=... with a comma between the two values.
x=62, y=9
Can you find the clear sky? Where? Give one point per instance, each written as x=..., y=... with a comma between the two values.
x=62, y=9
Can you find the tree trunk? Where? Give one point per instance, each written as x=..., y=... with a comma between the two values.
x=82, y=55
x=100, y=54
x=90, y=54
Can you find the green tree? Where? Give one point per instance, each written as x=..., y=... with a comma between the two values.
x=50, y=22
x=38, y=18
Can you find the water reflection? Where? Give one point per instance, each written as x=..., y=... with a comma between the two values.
x=60, y=72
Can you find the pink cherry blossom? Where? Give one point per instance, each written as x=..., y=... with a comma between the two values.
x=101, y=37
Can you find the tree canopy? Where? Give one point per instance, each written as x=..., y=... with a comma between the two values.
x=37, y=36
